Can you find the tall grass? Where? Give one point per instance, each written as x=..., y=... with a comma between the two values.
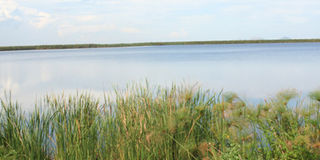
x=145, y=122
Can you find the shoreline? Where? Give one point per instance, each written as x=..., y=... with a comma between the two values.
x=76, y=46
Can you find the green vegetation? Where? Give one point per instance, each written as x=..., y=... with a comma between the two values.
x=178, y=122
x=70, y=46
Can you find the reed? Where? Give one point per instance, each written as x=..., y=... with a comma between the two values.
x=152, y=122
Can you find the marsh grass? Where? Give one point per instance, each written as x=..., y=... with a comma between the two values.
x=70, y=46
x=146, y=122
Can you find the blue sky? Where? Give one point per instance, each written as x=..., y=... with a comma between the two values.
x=29, y=22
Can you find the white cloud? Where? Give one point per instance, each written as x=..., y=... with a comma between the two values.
x=296, y=19
x=67, y=29
x=87, y=18
x=178, y=34
x=237, y=8
x=6, y=9
x=10, y=9
x=130, y=30
x=37, y=18
x=197, y=19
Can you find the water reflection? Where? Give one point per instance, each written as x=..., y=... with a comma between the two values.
x=252, y=70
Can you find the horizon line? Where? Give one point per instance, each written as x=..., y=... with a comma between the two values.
x=111, y=45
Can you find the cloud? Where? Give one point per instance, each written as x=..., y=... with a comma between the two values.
x=197, y=19
x=178, y=34
x=87, y=18
x=237, y=8
x=36, y=18
x=6, y=9
x=67, y=29
x=130, y=30
x=296, y=19
x=11, y=10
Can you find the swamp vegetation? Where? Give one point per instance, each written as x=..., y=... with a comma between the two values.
x=73, y=46
x=151, y=122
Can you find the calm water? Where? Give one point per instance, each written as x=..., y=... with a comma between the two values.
x=253, y=70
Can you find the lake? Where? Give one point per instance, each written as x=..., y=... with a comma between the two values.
x=254, y=71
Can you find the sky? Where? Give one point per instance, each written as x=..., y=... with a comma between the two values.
x=35, y=22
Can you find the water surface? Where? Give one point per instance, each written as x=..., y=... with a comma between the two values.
x=254, y=71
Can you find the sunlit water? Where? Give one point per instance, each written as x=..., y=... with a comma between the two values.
x=254, y=71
